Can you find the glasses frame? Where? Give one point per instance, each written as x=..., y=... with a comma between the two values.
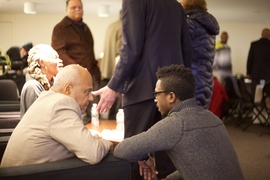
x=159, y=92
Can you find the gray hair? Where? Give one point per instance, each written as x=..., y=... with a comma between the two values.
x=37, y=53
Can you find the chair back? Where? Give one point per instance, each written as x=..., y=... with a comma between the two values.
x=244, y=90
x=8, y=90
x=231, y=87
x=266, y=96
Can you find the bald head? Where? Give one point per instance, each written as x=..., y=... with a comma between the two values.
x=224, y=37
x=266, y=33
x=75, y=82
x=72, y=74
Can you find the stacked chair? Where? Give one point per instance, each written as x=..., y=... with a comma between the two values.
x=9, y=111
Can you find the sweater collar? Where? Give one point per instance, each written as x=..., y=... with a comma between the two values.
x=188, y=103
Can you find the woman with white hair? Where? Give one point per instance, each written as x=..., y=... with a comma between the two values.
x=43, y=65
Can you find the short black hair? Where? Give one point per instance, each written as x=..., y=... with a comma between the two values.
x=178, y=79
x=68, y=2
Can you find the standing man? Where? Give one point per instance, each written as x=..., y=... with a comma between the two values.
x=258, y=62
x=73, y=41
x=155, y=34
x=222, y=62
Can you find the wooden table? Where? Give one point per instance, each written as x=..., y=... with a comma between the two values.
x=103, y=124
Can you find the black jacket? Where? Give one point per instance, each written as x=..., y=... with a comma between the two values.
x=258, y=62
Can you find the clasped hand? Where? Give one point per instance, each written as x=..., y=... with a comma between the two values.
x=147, y=169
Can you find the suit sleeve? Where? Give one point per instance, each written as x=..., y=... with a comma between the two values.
x=133, y=23
x=67, y=128
x=186, y=45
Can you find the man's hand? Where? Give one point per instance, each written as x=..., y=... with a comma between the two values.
x=107, y=98
x=147, y=169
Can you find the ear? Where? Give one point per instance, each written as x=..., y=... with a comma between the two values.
x=68, y=89
x=172, y=97
x=41, y=62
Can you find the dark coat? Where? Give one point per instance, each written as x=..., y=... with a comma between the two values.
x=203, y=28
x=155, y=34
x=258, y=62
x=75, y=45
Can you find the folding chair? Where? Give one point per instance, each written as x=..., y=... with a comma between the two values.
x=247, y=105
x=232, y=90
x=266, y=105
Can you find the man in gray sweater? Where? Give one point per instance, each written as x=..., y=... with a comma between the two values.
x=195, y=139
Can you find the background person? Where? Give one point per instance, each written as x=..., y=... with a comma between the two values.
x=18, y=57
x=258, y=61
x=203, y=28
x=73, y=41
x=24, y=53
x=155, y=34
x=194, y=138
x=222, y=62
x=19, y=54
x=44, y=64
x=52, y=129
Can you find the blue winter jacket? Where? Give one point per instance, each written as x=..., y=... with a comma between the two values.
x=203, y=28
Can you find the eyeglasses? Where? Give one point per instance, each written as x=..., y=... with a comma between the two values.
x=156, y=93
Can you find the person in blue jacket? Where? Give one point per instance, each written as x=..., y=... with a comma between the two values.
x=203, y=28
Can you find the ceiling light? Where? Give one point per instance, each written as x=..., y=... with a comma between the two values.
x=29, y=8
x=103, y=11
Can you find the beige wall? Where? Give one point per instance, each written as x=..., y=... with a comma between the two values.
x=38, y=29
x=240, y=37
x=17, y=29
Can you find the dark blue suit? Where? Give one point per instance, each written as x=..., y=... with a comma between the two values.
x=155, y=34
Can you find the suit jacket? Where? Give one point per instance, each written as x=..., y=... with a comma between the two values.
x=258, y=62
x=113, y=43
x=75, y=45
x=52, y=130
x=155, y=34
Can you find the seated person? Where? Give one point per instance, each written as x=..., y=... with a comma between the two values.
x=194, y=138
x=43, y=65
x=24, y=52
x=16, y=53
x=52, y=129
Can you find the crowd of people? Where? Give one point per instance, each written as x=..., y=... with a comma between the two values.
x=164, y=75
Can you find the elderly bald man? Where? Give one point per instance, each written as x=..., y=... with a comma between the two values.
x=52, y=128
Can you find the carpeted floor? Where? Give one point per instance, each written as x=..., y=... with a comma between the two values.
x=252, y=149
